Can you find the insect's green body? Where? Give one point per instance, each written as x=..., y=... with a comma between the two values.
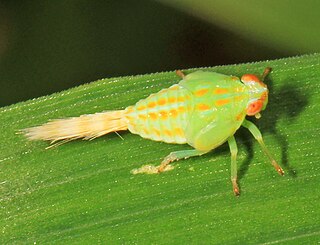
x=204, y=109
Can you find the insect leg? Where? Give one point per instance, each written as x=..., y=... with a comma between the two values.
x=234, y=150
x=177, y=155
x=164, y=166
x=257, y=135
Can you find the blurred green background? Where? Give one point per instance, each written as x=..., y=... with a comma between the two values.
x=47, y=46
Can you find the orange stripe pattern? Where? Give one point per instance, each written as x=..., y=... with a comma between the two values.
x=161, y=116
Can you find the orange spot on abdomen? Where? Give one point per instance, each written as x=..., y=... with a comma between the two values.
x=181, y=99
x=220, y=91
x=141, y=108
x=151, y=104
x=181, y=108
x=172, y=100
x=179, y=132
x=142, y=116
x=201, y=92
x=129, y=118
x=163, y=115
x=222, y=102
x=156, y=131
x=203, y=107
x=132, y=124
x=152, y=115
x=173, y=113
x=167, y=132
x=161, y=101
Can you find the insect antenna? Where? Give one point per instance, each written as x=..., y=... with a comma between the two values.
x=266, y=71
x=180, y=74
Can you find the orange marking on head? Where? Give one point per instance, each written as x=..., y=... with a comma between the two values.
x=167, y=132
x=203, y=107
x=152, y=115
x=141, y=108
x=201, y=92
x=220, y=91
x=163, y=114
x=162, y=101
x=173, y=113
x=142, y=116
x=222, y=102
x=152, y=104
x=172, y=100
x=156, y=131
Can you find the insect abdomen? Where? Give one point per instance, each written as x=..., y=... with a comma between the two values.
x=162, y=116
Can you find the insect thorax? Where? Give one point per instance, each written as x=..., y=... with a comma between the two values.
x=219, y=103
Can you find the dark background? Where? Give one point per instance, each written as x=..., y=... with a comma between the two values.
x=49, y=46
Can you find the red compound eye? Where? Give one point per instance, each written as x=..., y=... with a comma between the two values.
x=254, y=108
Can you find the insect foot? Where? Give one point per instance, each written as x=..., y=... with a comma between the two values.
x=277, y=167
x=150, y=169
x=236, y=189
x=165, y=163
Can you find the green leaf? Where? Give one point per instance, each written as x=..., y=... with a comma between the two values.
x=272, y=23
x=83, y=191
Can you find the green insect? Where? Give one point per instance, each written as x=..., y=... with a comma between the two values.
x=204, y=110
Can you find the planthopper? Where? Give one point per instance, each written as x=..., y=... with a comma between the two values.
x=204, y=110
